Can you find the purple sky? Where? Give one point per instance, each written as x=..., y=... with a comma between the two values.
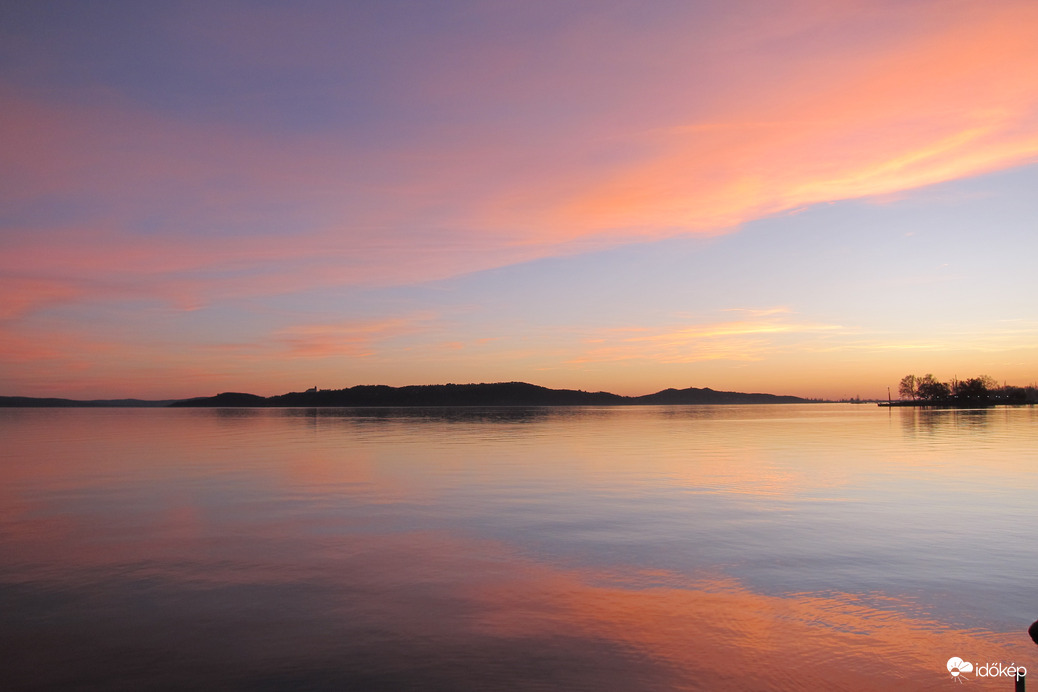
x=811, y=198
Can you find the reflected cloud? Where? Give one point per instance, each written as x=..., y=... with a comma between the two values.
x=446, y=414
x=383, y=607
x=616, y=549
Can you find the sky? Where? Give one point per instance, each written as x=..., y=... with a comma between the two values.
x=800, y=197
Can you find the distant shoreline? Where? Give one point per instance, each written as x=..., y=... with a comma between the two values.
x=494, y=394
x=54, y=402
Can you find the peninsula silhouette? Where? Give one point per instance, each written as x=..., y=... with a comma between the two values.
x=484, y=394
x=496, y=394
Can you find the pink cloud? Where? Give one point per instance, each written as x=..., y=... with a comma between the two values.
x=19, y=296
x=846, y=100
x=356, y=339
x=941, y=98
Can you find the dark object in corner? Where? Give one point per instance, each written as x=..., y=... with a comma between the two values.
x=1033, y=631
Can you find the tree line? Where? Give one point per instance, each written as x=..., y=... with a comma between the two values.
x=980, y=391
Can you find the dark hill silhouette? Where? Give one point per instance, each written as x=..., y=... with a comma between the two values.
x=496, y=394
x=695, y=395
x=236, y=399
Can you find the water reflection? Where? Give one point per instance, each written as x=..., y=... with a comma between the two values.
x=936, y=421
x=673, y=548
x=431, y=611
x=448, y=414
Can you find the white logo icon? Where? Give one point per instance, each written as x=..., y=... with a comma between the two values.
x=956, y=666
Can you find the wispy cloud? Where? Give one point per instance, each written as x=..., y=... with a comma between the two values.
x=995, y=337
x=741, y=340
x=794, y=110
x=355, y=339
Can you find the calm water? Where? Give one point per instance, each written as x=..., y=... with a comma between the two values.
x=657, y=548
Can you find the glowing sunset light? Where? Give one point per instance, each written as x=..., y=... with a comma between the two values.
x=261, y=198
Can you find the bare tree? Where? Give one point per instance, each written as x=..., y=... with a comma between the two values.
x=906, y=390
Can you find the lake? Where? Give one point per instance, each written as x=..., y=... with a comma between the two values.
x=781, y=547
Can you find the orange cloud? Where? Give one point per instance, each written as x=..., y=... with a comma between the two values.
x=749, y=339
x=940, y=98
